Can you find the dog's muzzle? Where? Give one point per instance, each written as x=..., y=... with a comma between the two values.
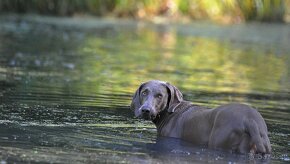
x=146, y=113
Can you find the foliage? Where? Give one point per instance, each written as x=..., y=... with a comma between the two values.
x=224, y=11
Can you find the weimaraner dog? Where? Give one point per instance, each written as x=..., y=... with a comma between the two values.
x=234, y=127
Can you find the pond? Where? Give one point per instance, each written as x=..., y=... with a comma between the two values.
x=66, y=85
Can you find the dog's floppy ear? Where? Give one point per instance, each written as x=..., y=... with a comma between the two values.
x=136, y=104
x=174, y=97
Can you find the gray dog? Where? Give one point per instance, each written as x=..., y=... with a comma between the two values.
x=235, y=127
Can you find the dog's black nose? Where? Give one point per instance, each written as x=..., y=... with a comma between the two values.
x=145, y=111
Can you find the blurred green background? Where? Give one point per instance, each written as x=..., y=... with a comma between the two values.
x=225, y=11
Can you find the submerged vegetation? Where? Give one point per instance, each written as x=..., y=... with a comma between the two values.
x=222, y=11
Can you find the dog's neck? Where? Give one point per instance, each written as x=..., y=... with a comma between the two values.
x=161, y=119
x=164, y=116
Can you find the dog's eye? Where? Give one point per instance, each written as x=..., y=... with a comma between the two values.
x=159, y=96
x=144, y=93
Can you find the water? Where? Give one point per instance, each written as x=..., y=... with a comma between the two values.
x=66, y=86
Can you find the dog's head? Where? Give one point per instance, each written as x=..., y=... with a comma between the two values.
x=153, y=97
